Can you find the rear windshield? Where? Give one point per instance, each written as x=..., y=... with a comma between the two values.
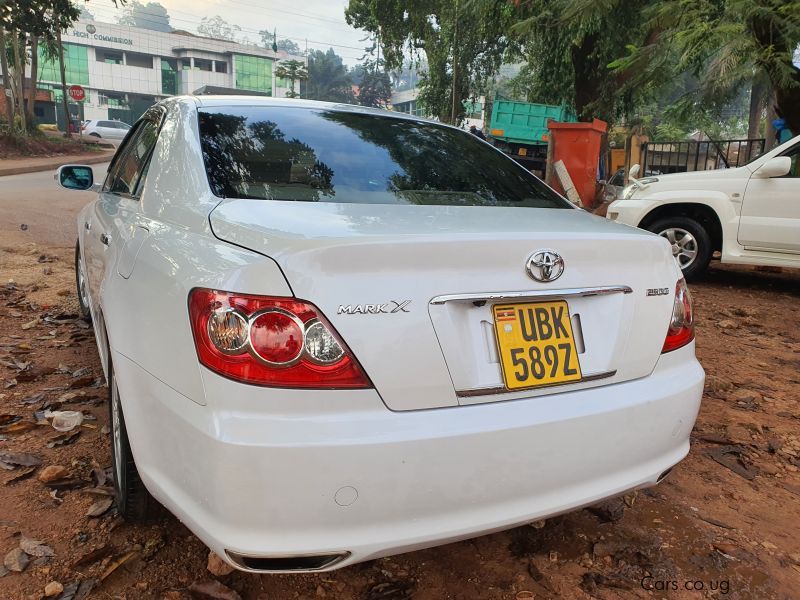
x=320, y=155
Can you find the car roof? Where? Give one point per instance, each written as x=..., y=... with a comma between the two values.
x=266, y=101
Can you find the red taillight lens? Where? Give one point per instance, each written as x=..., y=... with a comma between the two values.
x=271, y=341
x=681, y=325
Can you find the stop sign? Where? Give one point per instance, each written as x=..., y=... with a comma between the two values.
x=76, y=92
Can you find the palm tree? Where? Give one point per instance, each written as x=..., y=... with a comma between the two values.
x=293, y=70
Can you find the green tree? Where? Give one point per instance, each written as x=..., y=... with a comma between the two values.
x=218, y=28
x=289, y=47
x=86, y=14
x=152, y=16
x=282, y=45
x=726, y=44
x=28, y=24
x=375, y=89
x=462, y=41
x=375, y=84
x=567, y=45
x=328, y=78
x=293, y=70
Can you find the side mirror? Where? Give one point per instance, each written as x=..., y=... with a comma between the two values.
x=75, y=177
x=634, y=172
x=774, y=167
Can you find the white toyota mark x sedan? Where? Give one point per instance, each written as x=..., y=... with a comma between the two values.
x=332, y=334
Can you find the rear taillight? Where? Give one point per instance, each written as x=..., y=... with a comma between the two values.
x=271, y=341
x=681, y=325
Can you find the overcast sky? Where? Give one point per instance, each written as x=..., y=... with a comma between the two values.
x=321, y=22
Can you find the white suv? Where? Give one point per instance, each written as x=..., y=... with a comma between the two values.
x=750, y=214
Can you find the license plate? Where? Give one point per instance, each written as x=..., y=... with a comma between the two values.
x=536, y=344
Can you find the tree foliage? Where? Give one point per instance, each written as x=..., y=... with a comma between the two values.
x=27, y=24
x=375, y=89
x=328, y=78
x=282, y=45
x=218, y=28
x=567, y=45
x=374, y=83
x=151, y=16
x=462, y=41
x=288, y=46
x=293, y=70
x=726, y=44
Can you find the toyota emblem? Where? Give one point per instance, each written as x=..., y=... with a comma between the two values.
x=545, y=265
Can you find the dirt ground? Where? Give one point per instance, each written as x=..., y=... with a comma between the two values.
x=725, y=523
x=44, y=145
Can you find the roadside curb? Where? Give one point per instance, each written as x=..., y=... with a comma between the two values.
x=55, y=162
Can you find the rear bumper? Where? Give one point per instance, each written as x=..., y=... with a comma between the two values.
x=263, y=472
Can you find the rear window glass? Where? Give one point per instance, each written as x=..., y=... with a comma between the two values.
x=319, y=155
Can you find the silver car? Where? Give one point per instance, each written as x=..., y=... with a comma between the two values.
x=113, y=130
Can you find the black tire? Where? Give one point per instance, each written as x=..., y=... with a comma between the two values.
x=95, y=134
x=680, y=226
x=80, y=286
x=134, y=502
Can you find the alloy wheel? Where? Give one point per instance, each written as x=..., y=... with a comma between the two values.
x=116, y=438
x=684, y=245
x=84, y=297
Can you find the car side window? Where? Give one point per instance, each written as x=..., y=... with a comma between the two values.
x=128, y=171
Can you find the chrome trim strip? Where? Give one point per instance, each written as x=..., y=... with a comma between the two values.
x=488, y=391
x=532, y=294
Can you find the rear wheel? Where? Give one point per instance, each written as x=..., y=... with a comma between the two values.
x=134, y=502
x=691, y=244
x=95, y=134
x=81, y=286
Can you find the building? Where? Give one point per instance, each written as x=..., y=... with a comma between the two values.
x=124, y=70
x=405, y=101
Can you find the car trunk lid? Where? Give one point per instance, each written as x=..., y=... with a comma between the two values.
x=411, y=288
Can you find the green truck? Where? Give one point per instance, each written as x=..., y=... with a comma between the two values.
x=520, y=130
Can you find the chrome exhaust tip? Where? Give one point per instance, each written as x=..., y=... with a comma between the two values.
x=286, y=563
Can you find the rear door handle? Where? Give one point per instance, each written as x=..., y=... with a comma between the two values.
x=105, y=238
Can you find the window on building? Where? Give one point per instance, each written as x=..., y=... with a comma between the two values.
x=111, y=99
x=220, y=66
x=253, y=73
x=185, y=64
x=76, y=66
x=169, y=76
x=201, y=64
x=113, y=57
x=134, y=59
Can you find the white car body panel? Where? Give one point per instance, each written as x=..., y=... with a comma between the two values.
x=378, y=250
x=422, y=477
x=264, y=471
x=760, y=217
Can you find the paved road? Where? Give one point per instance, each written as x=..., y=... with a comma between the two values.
x=49, y=211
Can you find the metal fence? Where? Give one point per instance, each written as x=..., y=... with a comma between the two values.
x=679, y=157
